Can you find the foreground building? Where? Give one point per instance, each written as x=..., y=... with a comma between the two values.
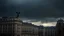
x=13, y=26
x=10, y=26
x=60, y=28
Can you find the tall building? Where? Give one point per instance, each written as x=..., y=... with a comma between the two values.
x=60, y=27
x=10, y=26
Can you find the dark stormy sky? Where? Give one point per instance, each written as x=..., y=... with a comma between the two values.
x=32, y=8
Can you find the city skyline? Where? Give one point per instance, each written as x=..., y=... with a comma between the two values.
x=31, y=17
x=43, y=21
x=35, y=9
x=29, y=8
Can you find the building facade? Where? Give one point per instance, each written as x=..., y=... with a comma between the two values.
x=29, y=29
x=49, y=31
x=60, y=27
x=10, y=26
x=40, y=30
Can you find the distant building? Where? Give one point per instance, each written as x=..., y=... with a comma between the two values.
x=60, y=28
x=10, y=26
x=40, y=30
x=29, y=29
x=49, y=31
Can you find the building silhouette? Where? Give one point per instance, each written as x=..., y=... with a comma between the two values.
x=60, y=27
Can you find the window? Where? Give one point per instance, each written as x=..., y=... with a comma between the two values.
x=18, y=35
x=0, y=28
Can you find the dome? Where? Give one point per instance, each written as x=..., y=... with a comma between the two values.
x=60, y=20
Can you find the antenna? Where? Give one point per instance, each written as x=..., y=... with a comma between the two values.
x=17, y=14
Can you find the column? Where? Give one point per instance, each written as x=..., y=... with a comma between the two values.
x=7, y=28
x=12, y=30
x=2, y=28
x=44, y=32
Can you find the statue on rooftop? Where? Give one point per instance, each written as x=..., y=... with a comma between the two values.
x=17, y=14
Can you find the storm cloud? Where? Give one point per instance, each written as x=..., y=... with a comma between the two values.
x=32, y=8
x=38, y=11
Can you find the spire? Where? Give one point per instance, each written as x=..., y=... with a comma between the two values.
x=17, y=14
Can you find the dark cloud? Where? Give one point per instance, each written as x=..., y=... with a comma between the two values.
x=43, y=8
x=40, y=19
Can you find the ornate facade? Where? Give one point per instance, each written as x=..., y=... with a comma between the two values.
x=10, y=26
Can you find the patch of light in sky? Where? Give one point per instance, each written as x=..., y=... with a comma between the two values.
x=45, y=24
x=41, y=22
x=49, y=24
x=26, y=20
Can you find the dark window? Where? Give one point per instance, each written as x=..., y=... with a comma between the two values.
x=0, y=28
x=18, y=35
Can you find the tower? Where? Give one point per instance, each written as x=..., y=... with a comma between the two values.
x=17, y=14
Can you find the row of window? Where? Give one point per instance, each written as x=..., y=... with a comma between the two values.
x=6, y=28
x=29, y=35
x=8, y=19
